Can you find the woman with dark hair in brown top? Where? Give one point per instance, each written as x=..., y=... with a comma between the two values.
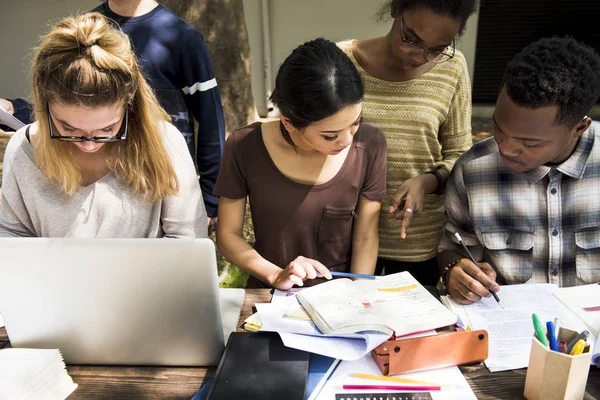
x=315, y=178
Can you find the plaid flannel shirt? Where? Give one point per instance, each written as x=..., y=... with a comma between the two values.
x=533, y=227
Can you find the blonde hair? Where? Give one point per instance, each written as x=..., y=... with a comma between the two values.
x=84, y=61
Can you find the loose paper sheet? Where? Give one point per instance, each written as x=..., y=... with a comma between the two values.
x=511, y=329
x=9, y=120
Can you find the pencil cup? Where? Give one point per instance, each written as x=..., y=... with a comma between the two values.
x=552, y=375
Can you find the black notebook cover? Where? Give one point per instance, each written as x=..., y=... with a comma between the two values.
x=259, y=366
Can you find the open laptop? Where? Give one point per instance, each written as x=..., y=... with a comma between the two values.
x=113, y=301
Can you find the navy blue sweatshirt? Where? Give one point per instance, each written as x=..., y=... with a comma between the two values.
x=176, y=64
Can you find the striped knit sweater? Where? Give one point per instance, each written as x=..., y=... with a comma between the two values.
x=427, y=124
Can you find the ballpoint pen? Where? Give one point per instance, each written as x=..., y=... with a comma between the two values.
x=475, y=262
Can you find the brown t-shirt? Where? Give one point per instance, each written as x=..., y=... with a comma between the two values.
x=292, y=219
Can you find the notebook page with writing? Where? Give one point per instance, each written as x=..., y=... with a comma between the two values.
x=394, y=303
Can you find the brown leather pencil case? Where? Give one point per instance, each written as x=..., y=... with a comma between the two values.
x=430, y=352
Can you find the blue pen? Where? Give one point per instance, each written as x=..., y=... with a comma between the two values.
x=551, y=336
x=350, y=275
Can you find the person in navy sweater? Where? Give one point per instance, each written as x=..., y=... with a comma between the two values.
x=175, y=61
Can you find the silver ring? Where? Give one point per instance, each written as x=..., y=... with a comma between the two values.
x=410, y=210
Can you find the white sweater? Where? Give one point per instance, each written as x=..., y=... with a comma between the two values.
x=34, y=206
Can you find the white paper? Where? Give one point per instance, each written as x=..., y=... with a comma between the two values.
x=456, y=387
x=577, y=297
x=34, y=374
x=9, y=120
x=285, y=315
x=511, y=329
x=349, y=347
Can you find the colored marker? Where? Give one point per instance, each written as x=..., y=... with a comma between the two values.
x=475, y=262
x=539, y=331
x=391, y=387
x=583, y=335
x=551, y=336
x=562, y=347
x=578, y=348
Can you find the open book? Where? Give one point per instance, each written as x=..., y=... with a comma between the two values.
x=390, y=304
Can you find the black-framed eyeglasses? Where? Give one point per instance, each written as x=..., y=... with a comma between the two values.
x=98, y=139
x=434, y=56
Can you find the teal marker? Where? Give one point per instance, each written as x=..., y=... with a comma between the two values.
x=539, y=331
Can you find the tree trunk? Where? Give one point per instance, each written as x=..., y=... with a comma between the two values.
x=223, y=27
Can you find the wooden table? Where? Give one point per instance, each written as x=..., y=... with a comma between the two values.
x=104, y=382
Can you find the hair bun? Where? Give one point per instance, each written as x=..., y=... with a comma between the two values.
x=89, y=44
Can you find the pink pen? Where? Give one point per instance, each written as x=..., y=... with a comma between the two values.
x=391, y=387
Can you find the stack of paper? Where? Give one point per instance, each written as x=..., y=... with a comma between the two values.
x=34, y=374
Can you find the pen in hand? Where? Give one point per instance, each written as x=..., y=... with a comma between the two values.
x=475, y=262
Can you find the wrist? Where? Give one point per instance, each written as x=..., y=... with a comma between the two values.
x=428, y=182
x=445, y=276
x=440, y=186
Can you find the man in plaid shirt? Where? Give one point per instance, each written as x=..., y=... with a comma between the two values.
x=527, y=201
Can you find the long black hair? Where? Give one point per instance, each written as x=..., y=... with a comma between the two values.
x=314, y=82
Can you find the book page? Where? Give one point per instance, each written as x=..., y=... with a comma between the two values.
x=338, y=306
x=407, y=306
x=511, y=329
x=396, y=301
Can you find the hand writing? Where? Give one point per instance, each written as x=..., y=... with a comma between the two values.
x=298, y=271
x=468, y=284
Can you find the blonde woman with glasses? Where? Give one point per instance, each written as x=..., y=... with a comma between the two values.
x=101, y=158
x=417, y=92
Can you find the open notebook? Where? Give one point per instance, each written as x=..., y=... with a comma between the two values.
x=394, y=304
